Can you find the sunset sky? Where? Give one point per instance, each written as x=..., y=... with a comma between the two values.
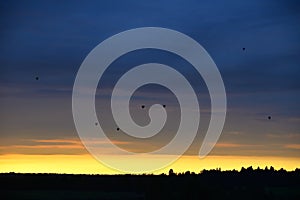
x=50, y=39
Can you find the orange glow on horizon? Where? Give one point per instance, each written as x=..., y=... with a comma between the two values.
x=86, y=164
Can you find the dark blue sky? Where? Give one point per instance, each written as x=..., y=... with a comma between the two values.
x=53, y=38
x=50, y=39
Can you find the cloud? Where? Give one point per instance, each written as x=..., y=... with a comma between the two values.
x=235, y=145
x=286, y=135
x=68, y=146
x=292, y=146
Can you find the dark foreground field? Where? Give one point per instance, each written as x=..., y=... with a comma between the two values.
x=214, y=184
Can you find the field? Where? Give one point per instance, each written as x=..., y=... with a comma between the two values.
x=213, y=184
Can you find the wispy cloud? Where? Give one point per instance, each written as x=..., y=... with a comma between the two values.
x=55, y=146
x=286, y=136
x=292, y=146
x=235, y=145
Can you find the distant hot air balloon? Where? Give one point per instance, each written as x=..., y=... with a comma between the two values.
x=269, y=117
x=143, y=106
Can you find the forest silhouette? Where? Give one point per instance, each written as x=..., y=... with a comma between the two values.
x=248, y=183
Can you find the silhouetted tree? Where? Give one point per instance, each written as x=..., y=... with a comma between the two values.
x=282, y=170
x=171, y=172
x=210, y=184
x=250, y=169
x=243, y=169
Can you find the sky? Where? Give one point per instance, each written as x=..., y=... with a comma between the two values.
x=50, y=40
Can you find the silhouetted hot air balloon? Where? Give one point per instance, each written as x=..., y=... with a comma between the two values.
x=143, y=106
x=164, y=106
x=269, y=117
x=244, y=48
x=37, y=78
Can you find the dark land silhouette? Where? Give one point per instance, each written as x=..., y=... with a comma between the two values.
x=248, y=183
